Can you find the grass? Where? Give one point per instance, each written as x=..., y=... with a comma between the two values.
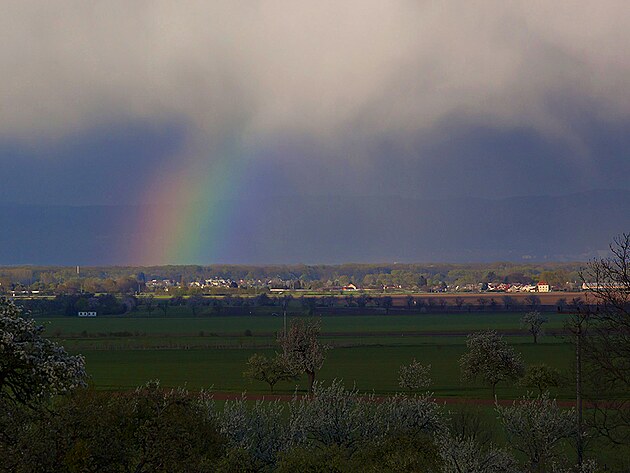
x=373, y=368
x=124, y=352
x=462, y=323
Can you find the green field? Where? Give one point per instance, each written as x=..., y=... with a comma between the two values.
x=372, y=368
x=466, y=322
x=204, y=352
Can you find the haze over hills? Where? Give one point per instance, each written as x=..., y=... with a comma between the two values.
x=333, y=230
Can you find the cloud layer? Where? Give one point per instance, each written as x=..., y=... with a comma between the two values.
x=321, y=70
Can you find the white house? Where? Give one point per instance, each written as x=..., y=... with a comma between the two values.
x=543, y=286
x=89, y=313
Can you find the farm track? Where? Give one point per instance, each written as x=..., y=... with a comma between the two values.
x=430, y=333
x=415, y=333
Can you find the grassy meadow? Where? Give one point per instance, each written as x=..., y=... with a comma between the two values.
x=211, y=351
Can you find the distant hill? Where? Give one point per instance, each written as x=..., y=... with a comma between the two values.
x=334, y=230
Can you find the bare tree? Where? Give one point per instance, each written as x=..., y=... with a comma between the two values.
x=149, y=304
x=302, y=350
x=606, y=345
x=459, y=302
x=482, y=301
x=562, y=304
x=195, y=302
x=387, y=302
x=163, y=306
x=534, y=321
x=442, y=303
x=533, y=301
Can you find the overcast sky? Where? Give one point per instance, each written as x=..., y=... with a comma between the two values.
x=362, y=97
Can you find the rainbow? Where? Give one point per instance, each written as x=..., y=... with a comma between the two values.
x=189, y=211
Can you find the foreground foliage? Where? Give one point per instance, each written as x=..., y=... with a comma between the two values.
x=336, y=429
x=148, y=430
x=33, y=368
x=535, y=427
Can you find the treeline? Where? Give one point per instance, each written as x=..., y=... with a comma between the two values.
x=70, y=304
x=199, y=305
x=124, y=279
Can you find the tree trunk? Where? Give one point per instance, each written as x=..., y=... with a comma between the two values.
x=494, y=390
x=311, y=380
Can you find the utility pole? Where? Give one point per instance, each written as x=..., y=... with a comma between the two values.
x=79, y=277
x=577, y=327
x=285, y=304
x=578, y=390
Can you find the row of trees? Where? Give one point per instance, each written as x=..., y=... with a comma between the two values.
x=128, y=279
x=488, y=359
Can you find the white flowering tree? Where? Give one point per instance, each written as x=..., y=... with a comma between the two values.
x=401, y=414
x=536, y=426
x=335, y=416
x=415, y=375
x=301, y=349
x=33, y=368
x=464, y=455
x=260, y=430
x=588, y=466
x=490, y=359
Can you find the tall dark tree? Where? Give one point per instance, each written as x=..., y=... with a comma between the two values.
x=195, y=302
x=606, y=345
x=387, y=302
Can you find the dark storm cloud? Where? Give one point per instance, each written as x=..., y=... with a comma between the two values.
x=372, y=96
